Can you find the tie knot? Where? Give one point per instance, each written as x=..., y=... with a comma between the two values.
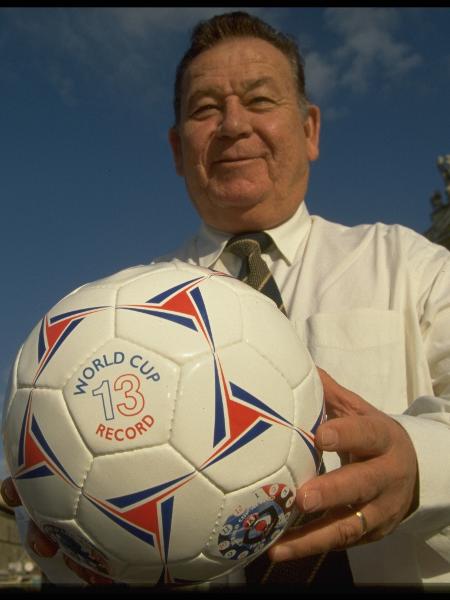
x=245, y=244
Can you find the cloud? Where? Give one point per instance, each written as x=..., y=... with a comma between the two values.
x=321, y=75
x=368, y=52
x=125, y=49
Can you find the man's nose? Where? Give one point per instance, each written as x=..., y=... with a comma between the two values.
x=235, y=120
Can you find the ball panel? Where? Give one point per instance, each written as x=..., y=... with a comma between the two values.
x=309, y=413
x=75, y=543
x=45, y=453
x=172, y=313
x=122, y=397
x=74, y=327
x=149, y=504
x=195, y=513
x=253, y=518
x=228, y=419
x=268, y=330
x=166, y=324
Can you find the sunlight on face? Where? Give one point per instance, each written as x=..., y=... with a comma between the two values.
x=243, y=144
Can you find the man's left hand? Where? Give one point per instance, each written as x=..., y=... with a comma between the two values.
x=378, y=477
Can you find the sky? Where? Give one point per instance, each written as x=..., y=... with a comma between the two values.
x=87, y=183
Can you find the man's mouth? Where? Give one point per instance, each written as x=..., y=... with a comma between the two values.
x=241, y=159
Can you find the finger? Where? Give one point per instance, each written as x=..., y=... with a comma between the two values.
x=364, y=436
x=356, y=483
x=85, y=573
x=9, y=493
x=39, y=542
x=338, y=529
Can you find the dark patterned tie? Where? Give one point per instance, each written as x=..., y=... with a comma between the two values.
x=254, y=270
x=330, y=568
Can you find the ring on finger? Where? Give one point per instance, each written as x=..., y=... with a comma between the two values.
x=363, y=522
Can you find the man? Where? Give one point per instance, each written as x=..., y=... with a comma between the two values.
x=371, y=303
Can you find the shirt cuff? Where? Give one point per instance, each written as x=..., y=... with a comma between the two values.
x=430, y=521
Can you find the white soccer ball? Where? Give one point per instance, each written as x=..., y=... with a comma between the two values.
x=159, y=421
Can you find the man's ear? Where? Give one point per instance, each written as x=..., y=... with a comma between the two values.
x=175, y=144
x=312, y=131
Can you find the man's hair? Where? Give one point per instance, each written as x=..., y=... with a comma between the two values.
x=207, y=34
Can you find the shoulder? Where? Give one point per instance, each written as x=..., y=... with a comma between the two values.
x=381, y=237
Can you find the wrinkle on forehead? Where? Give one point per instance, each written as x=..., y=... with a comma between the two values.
x=244, y=60
x=242, y=87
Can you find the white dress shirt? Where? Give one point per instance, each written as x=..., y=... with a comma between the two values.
x=372, y=303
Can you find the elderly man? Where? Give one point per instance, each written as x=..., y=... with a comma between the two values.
x=371, y=303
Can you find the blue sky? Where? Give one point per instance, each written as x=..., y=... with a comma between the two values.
x=87, y=184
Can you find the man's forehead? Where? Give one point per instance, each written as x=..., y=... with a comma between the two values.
x=205, y=85
x=245, y=63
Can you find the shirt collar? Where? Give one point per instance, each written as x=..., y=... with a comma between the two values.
x=288, y=238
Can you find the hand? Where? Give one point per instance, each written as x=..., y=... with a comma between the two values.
x=42, y=545
x=379, y=477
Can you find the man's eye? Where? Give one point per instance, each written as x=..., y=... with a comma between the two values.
x=261, y=100
x=204, y=110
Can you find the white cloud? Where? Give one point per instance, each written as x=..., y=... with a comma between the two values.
x=320, y=74
x=125, y=48
x=368, y=52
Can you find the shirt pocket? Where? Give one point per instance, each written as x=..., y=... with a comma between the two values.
x=363, y=350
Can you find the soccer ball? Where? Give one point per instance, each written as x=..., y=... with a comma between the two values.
x=159, y=421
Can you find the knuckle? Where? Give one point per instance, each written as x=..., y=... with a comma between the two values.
x=375, y=434
x=347, y=534
x=368, y=483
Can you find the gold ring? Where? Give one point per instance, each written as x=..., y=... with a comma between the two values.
x=363, y=520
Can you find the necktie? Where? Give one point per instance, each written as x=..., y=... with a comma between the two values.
x=321, y=569
x=254, y=270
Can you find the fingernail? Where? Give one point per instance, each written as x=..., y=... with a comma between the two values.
x=280, y=553
x=41, y=548
x=36, y=549
x=33, y=547
x=328, y=438
x=312, y=500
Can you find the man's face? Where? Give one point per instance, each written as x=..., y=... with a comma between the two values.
x=243, y=143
